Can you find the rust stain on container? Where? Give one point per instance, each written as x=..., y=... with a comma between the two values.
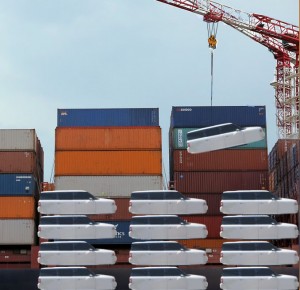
x=205, y=182
x=108, y=163
x=108, y=138
x=23, y=207
x=221, y=160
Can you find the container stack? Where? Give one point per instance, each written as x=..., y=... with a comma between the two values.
x=207, y=175
x=110, y=153
x=284, y=180
x=21, y=172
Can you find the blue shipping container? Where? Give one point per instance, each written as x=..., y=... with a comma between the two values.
x=122, y=237
x=18, y=185
x=192, y=117
x=107, y=117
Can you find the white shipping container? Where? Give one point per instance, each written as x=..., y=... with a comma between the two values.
x=18, y=139
x=17, y=232
x=109, y=186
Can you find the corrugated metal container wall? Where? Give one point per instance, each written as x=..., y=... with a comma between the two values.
x=17, y=207
x=18, y=184
x=19, y=162
x=193, y=117
x=18, y=140
x=17, y=232
x=108, y=163
x=205, y=243
x=178, y=140
x=109, y=186
x=203, y=182
x=15, y=256
x=108, y=138
x=221, y=160
x=107, y=117
x=213, y=201
x=122, y=212
x=213, y=223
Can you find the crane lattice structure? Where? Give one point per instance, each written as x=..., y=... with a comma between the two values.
x=282, y=40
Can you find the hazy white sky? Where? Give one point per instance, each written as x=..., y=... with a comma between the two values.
x=126, y=53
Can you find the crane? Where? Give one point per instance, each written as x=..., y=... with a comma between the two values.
x=281, y=39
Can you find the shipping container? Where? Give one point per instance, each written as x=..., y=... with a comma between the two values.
x=203, y=182
x=18, y=140
x=280, y=149
x=122, y=212
x=108, y=138
x=178, y=140
x=108, y=117
x=195, y=117
x=213, y=223
x=18, y=185
x=108, y=163
x=20, y=162
x=122, y=237
x=109, y=186
x=17, y=207
x=15, y=255
x=17, y=232
x=208, y=244
x=221, y=160
x=213, y=201
x=34, y=257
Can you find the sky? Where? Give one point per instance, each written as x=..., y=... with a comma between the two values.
x=126, y=54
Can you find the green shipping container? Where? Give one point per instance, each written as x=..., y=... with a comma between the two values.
x=179, y=140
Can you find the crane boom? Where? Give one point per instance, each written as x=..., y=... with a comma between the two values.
x=281, y=38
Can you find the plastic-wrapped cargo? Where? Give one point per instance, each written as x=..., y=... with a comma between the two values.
x=204, y=182
x=221, y=160
x=107, y=138
x=178, y=140
x=17, y=232
x=195, y=117
x=109, y=186
x=18, y=185
x=108, y=163
x=108, y=117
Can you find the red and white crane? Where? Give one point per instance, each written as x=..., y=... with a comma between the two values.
x=282, y=40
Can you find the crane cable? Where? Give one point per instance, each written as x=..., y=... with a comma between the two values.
x=212, y=29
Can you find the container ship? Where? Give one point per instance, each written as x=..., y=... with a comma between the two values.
x=112, y=152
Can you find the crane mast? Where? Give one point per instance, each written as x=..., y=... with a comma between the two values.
x=281, y=39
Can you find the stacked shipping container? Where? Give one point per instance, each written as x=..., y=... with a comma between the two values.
x=21, y=172
x=207, y=175
x=284, y=179
x=110, y=153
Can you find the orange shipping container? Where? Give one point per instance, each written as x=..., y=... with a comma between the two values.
x=17, y=207
x=108, y=163
x=107, y=138
x=209, y=244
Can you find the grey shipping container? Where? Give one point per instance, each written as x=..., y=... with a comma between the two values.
x=17, y=232
x=109, y=186
x=18, y=140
